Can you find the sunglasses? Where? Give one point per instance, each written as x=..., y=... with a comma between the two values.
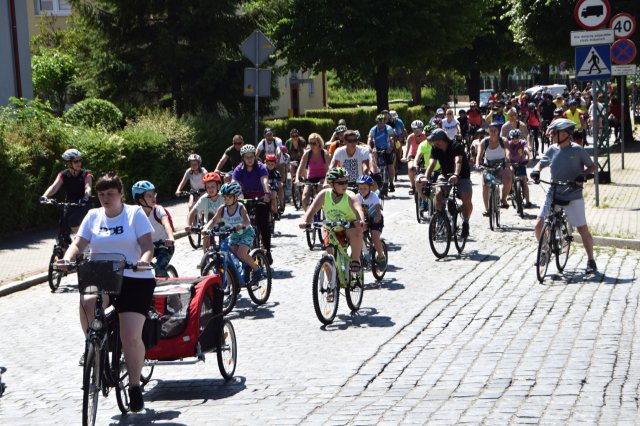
x=340, y=182
x=76, y=161
x=313, y=143
x=238, y=143
x=449, y=113
x=352, y=140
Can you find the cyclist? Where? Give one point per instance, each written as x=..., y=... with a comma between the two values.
x=438, y=116
x=463, y=119
x=334, y=136
x=493, y=153
x=313, y=166
x=206, y=205
x=296, y=146
x=416, y=137
x=232, y=156
x=478, y=137
x=275, y=182
x=451, y=125
x=453, y=161
x=497, y=114
x=270, y=144
x=253, y=179
x=76, y=182
x=339, y=139
x=578, y=118
x=234, y=214
x=513, y=123
x=422, y=156
x=340, y=204
x=119, y=228
x=518, y=152
x=194, y=175
x=568, y=162
x=372, y=209
x=400, y=132
x=475, y=117
x=533, y=126
x=144, y=195
x=381, y=137
x=355, y=159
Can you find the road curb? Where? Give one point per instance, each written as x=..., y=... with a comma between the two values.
x=13, y=286
x=611, y=242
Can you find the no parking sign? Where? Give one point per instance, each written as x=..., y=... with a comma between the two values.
x=623, y=51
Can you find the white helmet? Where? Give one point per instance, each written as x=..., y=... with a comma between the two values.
x=562, y=124
x=393, y=114
x=417, y=124
x=195, y=157
x=247, y=149
x=71, y=154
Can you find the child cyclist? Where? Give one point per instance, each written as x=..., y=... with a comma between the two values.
x=207, y=206
x=235, y=214
x=194, y=175
x=144, y=194
x=275, y=181
x=372, y=209
x=339, y=204
x=518, y=152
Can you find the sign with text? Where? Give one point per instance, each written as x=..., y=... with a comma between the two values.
x=623, y=25
x=624, y=69
x=589, y=38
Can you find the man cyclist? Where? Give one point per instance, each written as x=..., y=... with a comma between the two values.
x=568, y=162
x=422, y=156
x=453, y=161
x=438, y=116
x=381, y=137
x=475, y=117
x=232, y=156
x=353, y=158
x=296, y=146
x=576, y=116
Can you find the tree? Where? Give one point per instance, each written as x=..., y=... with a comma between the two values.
x=367, y=38
x=53, y=72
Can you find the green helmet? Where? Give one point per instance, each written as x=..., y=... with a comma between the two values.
x=380, y=117
x=336, y=173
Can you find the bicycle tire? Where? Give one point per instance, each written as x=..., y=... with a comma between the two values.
x=519, y=198
x=491, y=209
x=326, y=312
x=563, y=246
x=195, y=240
x=146, y=373
x=171, y=271
x=259, y=293
x=458, y=240
x=55, y=276
x=496, y=199
x=227, y=353
x=544, y=252
x=439, y=234
x=355, y=290
x=232, y=287
x=416, y=200
x=311, y=238
x=296, y=197
x=91, y=384
x=120, y=375
x=379, y=272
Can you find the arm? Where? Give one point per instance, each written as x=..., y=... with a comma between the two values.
x=88, y=181
x=191, y=217
x=78, y=245
x=55, y=187
x=302, y=167
x=480, y=154
x=432, y=165
x=215, y=219
x=264, y=181
x=355, y=205
x=222, y=162
x=246, y=222
x=458, y=129
x=181, y=184
x=146, y=246
x=315, y=206
x=456, y=170
x=167, y=227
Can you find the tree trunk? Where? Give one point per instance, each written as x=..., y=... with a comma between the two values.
x=175, y=74
x=416, y=90
x=544, y=73
x=381, y=84
x=473, y=84
x=504, y=78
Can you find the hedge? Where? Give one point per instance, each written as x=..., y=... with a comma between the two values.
x=93, y=112
x=305, y=126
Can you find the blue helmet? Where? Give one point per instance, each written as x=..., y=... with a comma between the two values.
x=231, y=188
x=139, y=188
x=365, y=179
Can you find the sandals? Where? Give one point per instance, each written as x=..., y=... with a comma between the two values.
x=355, y=266
x=412, y=191
x=504, y=205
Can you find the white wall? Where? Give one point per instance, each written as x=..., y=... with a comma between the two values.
x=310, y=93
x=8, y=85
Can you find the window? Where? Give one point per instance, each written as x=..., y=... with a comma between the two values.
x=53, y=7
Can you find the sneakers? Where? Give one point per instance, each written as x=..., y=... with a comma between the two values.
x=592, y=268
x=528, y=205
x=256, y=276
x=269, y=258
x=136, y=403
x=355, y=266
x=465, y=230
x=381, y=262
x=81, y=362
x=424, y=205
x=391, y=187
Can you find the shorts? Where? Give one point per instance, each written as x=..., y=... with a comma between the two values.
x=245, y=237
x=389, y=156
x=464, y=187
x=375, y=226
x=75, y=215
x=136, y=295
x=521, y=170
x=574, y=210
x=315, y=179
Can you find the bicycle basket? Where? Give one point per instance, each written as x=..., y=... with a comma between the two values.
x=100, y=273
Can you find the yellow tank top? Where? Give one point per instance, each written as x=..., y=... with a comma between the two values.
x=575, y=118
x=339, y=211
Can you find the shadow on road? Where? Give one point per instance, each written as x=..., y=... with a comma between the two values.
x=365, y=317
x=386, y=284
x=479, y=257
x=150, y=416
x=245, y=308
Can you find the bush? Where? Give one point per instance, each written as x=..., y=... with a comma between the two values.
x=305, y=126
x=53, y=72
x=94, y=112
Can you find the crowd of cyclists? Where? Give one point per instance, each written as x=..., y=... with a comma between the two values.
x=346, y=175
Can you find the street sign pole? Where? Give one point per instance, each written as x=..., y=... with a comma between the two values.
x=257, y=113
x=595, y=141
x=623, y=80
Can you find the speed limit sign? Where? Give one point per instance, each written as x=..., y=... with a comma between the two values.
x=623, y=25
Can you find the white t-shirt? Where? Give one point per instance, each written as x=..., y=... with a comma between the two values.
x=159, y=233
x=369, y=204
x=450, y=127
x=353, y=164
x=195, y=179
x=269, y=148
x=117, y=234
x=599, y=106
x=208, y=206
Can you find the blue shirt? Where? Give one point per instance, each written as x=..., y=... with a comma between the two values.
x=381, y=137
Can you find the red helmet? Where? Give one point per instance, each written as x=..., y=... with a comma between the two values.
x=211, y=177
x=270, y=157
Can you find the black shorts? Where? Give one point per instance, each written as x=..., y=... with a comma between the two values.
x=376, y=226
x=75, y=215
x=136, y=295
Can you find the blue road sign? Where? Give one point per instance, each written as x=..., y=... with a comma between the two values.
x=593, y=62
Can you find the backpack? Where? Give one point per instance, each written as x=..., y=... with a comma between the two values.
x=155, y=215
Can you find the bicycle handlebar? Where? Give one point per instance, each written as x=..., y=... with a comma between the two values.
x=51, y=202
x=191, y=192
x=329, y=225
x=127, y=265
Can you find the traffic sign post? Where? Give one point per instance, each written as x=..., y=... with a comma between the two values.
x=592, y=14
x=593, y=62
x=588, y=38
x=623, y=25
x=623, y=51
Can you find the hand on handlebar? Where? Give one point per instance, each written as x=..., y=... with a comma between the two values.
x=453, y=179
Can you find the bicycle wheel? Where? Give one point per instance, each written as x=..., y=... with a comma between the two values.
x=492, y=210
x=227, y=353
x=439, y=234
x=544, y=252
x=195, y=240
x=311, y=238
x=231, y=281
x=55, y=275
x=416, y=200
x=296, y=196
x=172, y=272
x=326, y=294
x=496, y=205
x=146, y=373
x=91, y=384
x=519, y=198
x=378, y=271
x=355, y=290
x=458, y=240
x=120, y=375
x=564, y=245
x=259, y=292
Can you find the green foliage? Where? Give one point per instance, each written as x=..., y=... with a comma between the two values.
x=93, y=112
x=281, y=128
x=53, y=72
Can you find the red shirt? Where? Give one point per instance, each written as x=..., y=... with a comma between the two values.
x=474, y=116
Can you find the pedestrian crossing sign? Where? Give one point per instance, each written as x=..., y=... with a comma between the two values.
x=593, y=62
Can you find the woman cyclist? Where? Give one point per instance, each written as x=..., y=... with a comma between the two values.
x=206, y=205
x=194, y=175
x=518, y=152
x=77, y=186
x=413, y=141
x=119, y=228
x=313, y=166
x=144, y=194
x=492, y=152
x=253, y=177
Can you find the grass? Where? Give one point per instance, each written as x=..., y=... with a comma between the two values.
x=340, y=95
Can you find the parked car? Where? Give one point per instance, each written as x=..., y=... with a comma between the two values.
x=484, y=100
x=553, y=89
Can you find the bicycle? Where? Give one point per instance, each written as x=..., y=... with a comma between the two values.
x=516, y=195
x=556, y=236
x=296, y=190
x=220, y=260
x=63, y=241
x=444, y=226
x=332, y=273
x=101, y=274
x=427, y=208
x=544, y=139
x=495, y=194
x=368, y=256
x=314, y=235
x=195, y=239
x=533, y=140
x=170, y=269
x=384, y=174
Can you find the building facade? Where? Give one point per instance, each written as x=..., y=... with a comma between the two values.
x=15, y=60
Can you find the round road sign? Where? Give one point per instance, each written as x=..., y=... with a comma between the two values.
x=623, y=25
x=623, y=51
x=592, y=14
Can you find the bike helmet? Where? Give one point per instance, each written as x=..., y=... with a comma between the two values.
x=380, y=117
x=437, y=121
x=438, y=135
x=417, y=124
x=562, y=124
x=71, y=154
x=284, y=149
x=336, y=173
x=357, y=132
x=231, y=188
x=514, y=134
x=473, y=103
x=211, y=177
x=341, y=129
x=430, y=128
x=440, y=111
x=532, y=105
x=365, y=179
x=270, y=157
x=573, y=102
x=139, y=188
x=558, y=111
x=267, y=130
x=496, y=125
x=393, y=114
x=247, y=149
x=195, y=157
